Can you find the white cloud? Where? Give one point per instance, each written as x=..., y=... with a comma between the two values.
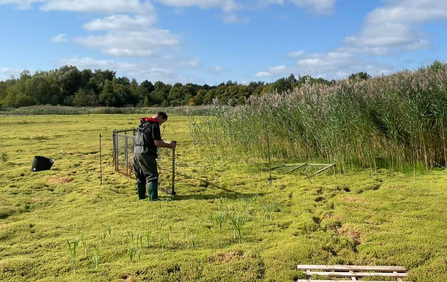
x=128, y=36
x=234, y=18
x=392, y=27
x=99, y=6
x=131, y=43
x=89, y=6
x=127, y=52
x=121, y=22
x=89, y=63
x=262, y=74
x=217, y=70
x=278, y=69
x=121, y=6
x=179, y=11
x=388, y=30
x=409, y=11
x=317, y=6
x=265, y=3
x=295, y=54
x=374, y=51
x=389, y=35
x=20, y=4
x=191, y=63
x=333, y=65
x=6, y=73
x=166, y=71
x=225, y=5
x=61, y=38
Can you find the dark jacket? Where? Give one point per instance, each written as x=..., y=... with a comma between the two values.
x=145, y=136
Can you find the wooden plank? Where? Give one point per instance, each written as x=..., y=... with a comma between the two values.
x=310, y=164
x=357, y=274
x=312, y=280
x=125, y=130
x=352, y=267
x=398, y=279
x=168, y=191
x=294, y=164
x=321, y=170
x=298, y=167
x=278, y=166
x=124, y=135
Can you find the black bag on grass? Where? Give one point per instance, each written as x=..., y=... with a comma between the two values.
x=41, y=163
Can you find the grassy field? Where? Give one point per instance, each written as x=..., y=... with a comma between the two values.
x=225, y=224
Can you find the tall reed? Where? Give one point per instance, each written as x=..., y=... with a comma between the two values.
x=393, y=121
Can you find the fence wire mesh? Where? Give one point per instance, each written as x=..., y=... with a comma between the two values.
x=123, y=145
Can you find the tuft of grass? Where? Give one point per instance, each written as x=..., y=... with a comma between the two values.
x=237, y=222
x=107, y=231
x=73, y=250
x=148, y=238
x=96, y=259
x=4, y=157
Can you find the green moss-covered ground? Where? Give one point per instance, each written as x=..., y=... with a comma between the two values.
x=364, y=217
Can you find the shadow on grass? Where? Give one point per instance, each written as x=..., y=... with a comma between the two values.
x=208, y=186
x=223, y=195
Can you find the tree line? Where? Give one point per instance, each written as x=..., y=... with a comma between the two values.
x=68, y=86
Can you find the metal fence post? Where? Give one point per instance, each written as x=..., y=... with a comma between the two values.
x=100, y=156
x=126, y=154
x=114, y=147
x=117, y=153
x=173, y=170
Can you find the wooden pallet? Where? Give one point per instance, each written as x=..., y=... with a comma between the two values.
x=352, y=272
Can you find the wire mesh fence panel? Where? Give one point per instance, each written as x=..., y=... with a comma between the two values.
x=124, y=154
x=123, y=145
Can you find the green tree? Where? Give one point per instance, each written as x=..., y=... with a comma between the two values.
x=85, y=98
x=359, y=76
x=10, y=99
x=175, y=94
x=244, y=92
x=3, y=88
x=98, y=80
x=256, y=87
x=148, y=85
x=23, y=100
x=135, y=93
x=208, y=98
x=68, y=78
x=160, y=93
x=107, y=97
x=198, y=99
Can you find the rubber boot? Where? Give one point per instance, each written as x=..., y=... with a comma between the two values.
x=152, y=189
x=141, y=190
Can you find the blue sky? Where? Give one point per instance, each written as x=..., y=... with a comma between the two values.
x=219, y=40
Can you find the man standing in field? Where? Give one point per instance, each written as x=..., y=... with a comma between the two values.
x=147, y=140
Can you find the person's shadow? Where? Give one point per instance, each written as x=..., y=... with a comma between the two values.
x=224, y=193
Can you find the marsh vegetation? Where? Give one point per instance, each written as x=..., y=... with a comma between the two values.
x=225, y=223
x=397, y=122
